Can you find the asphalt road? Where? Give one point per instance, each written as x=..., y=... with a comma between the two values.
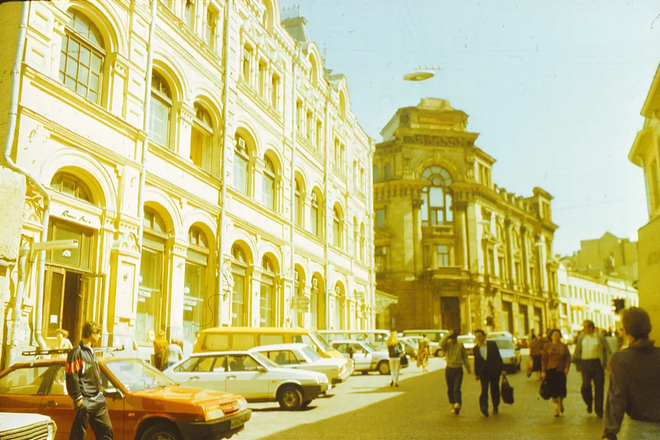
x=366, y=407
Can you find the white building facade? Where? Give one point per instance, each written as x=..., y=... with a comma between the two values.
x=208, y=165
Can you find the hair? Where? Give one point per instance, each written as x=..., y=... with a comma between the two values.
x=161, y=333
x=455, y=335
x=90, y=328
x=174, y=341
x=552, y=332
x=64, y=333
x=589, y=323
x=477, y=331
x=393, y=339
x=636, y=322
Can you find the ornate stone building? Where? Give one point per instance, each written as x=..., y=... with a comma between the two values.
x=207, y=163
x=457, y=251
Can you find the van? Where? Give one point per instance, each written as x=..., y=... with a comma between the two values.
x=377, y=338
x=434, y=336
x=244, y=338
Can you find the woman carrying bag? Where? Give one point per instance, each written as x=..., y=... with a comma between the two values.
x=555, y=362
x=395, y=353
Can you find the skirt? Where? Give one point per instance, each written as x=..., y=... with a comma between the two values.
x=556, y=383
x=536, y=363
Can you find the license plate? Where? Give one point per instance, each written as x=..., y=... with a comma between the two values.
x=240, y=421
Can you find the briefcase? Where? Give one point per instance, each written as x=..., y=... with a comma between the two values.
x=507, y=391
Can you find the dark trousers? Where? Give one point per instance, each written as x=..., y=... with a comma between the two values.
x=454, y=378
x=592, y=370
x=491, y=381
x=94, y=413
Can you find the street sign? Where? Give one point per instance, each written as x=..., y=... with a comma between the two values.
x=53, y=245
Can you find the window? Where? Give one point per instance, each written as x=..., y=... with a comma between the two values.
x=380, y=261
x=298, y=208
x=319, y=134
x=362, y=179
x=502, y=267
x=194, y=287
x=201, y=139
x=268, y=184
x=442, y=252
x=263, y=79
x=239, y=295
x=337, y=228
x=518, y=273
x=362, y=240
x=266, y=294
x=71, y=185
x=315, y=216
x=161, y=105
x=375, y=173
x=25, y=381
x=210, y=28
x=189, y=14
x=274, y=91
x=491, y=262
x=246, y=66
x=388, y=171
x=380, y=217
x=437, y=199
x=152, y=272
x=299, y=116
x=309, y=132
x=82, y=56
x=241, y=166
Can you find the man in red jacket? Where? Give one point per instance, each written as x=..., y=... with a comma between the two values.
x=83, y=383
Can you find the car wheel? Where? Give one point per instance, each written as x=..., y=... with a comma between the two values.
x=290, y=398
x=384, y=367
x=162, y=431
x=306, y=403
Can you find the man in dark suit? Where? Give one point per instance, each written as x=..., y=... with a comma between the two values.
x=488, y=366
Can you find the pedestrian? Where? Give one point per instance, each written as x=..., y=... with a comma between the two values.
x=160, y=344
x=172, y=354
x=591, y=355
x=634, y=383
x=423, y=352
x=456, y=356
x=556, y=361
x=394, y=351
x=83, y=384
x=488, y=366
x=612, y=342
x=63, y=342
x=536, y=354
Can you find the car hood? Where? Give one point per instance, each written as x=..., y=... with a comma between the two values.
x=10, y=421
x=185, y=394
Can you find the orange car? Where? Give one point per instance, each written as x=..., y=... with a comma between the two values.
x=142, y=402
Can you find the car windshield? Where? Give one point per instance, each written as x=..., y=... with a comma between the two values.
x=135, y=374
x=322, y=343
x=504, y=344
x=310, y=354
x=369, y=346
x=264, y=360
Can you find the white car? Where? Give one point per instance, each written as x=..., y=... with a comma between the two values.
x=468, y=342
x=365, y=356
x=23, y=426
x=303, y=357
x=509, y=352
x=251, y=375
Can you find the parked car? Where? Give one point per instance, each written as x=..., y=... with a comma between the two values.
x=434, y=347
x=17, y=426
x=468, y=343
x=509, y=351
x=504, y=334
x=365, y=356
x=251, y=374
x=410, y=346
x=143, y=403
x=433, y=335
x=303, y=357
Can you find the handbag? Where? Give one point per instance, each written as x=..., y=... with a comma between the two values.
x=544, y=391
x=404, y=360
x=506, y=391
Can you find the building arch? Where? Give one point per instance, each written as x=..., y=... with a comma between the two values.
x=166, y=207
x=427, y=162
x=108, y=23
x=202, y=220
x=173, y=73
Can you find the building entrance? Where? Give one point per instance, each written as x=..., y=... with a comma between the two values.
x=450, y=312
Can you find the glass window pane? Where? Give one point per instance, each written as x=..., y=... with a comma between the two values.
x=96, y=63
x=436, y=196
x=84, y=56
x=73, y=48
x=72, y=68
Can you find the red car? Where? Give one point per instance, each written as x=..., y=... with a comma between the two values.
x=143, y=403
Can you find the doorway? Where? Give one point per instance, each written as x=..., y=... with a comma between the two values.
x=64, y=302
x=450, y=313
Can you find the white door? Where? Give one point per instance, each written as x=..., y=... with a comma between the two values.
x=244, y=378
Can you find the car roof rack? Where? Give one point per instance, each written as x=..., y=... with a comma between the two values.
x=41, y=353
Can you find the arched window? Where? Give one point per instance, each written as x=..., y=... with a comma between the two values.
x=160, y=109
x=356, y=239
x=210, y=28
x=437, y=206
x=239, y=293
x=241, y=165
x=150, y=312
x=267, y=294
x=268, y=191
x=82, y=57
x=201, y=139
x=298, y=208
x=71, y=185
x=375, y=173
x=337, y=228
x=195, y=284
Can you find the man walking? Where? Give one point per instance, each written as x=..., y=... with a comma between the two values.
x=83, y=383
x=591, y=355
x=488, y=366
x=456, y=357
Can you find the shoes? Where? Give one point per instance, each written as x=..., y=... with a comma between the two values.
x=457, y=408
x=495, y=411
x=391, y=383
x=484, y=411
x=561, y=407
x=396, y=384
x=589, y=409
x=556, y=412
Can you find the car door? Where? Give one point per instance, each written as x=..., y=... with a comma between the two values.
x=246, y=379
x=21, y=389
x=361, y=356
x=210, y=372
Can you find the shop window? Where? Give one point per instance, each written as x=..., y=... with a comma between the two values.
x=195, y=284
x=71, y=185
x=266, y=294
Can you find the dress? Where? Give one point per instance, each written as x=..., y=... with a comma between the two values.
x=555, y=362
x=423, y=349
x=536, y=352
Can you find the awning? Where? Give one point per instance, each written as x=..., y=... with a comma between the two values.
x=384, y=300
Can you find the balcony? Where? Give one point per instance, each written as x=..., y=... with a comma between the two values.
x=447, y=273
x=438, y=231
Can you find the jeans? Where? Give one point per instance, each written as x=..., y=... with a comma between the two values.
x=592, y=370
x=454, y=378
x=491, y=381
x=95, y=413
x=395, y=365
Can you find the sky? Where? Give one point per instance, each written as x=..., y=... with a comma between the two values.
x=554, y=89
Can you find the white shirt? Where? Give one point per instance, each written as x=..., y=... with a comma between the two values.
x=483, y=350
x=590, y=347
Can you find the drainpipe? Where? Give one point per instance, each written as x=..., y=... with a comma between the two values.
x=370, y=225
x=12, y=345
x=223, y=174
x=9, y=163
x=327, y=197
x=294, y=299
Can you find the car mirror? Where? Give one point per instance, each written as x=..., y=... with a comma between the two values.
x=112, y=392
x=261, y=369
